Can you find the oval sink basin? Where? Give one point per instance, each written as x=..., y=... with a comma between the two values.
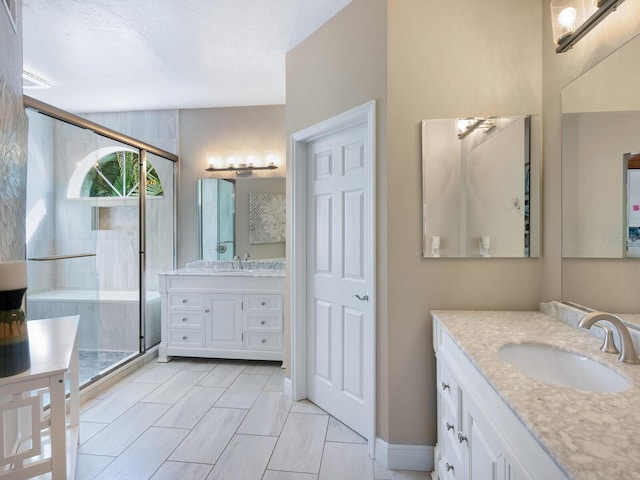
x=555, y=366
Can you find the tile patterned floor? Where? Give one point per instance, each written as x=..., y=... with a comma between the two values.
x=214, y=419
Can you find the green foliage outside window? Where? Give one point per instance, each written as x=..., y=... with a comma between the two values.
x=117, y=175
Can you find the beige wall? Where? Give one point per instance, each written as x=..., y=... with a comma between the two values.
x=447, y=59
x=341, y=66
x=225, y=132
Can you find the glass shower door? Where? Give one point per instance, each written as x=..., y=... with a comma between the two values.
x=159, y=244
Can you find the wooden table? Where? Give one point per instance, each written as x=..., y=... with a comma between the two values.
x=46, y=439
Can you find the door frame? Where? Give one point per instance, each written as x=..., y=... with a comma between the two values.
x=365, y=113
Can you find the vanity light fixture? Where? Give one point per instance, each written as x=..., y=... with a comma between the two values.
x=573, y=19
x=467, y=125
x=243, y=167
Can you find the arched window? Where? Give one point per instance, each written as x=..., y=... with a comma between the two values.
x=117, y=175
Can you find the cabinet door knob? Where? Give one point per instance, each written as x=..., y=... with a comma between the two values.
x=461, y=438
x=184, y=319
x=449, y=426
x=184, y=338
x=449, y=467
x=444, y=386
x=262, y=322
x=207, y=311
x=184, y=300
x=264, y=340
x=263, y=303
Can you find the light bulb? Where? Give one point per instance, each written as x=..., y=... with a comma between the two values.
x=567, y=17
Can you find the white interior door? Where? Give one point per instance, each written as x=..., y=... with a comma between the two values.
x=339, y=326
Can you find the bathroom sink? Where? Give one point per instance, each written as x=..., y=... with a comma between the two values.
x=555, y=366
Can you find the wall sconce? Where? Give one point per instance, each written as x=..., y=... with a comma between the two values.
x=242, y=167
x=467, y=125
x=573, y=19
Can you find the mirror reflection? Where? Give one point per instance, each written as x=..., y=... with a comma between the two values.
x=479, y=179
x=216, y=219
x=600, y=159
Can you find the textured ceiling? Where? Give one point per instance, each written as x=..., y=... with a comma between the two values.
x=119, y=55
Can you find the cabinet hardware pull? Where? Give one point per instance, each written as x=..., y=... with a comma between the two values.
x=461, y=438
x=362, y=298
x=449, y=467
x=207, y=311
x=449, y=426
x=184, y=338
x=262, y=322
x=264, y=340
x=445, y=386
x=263, y=303
x=184, y=319
x=184, y=300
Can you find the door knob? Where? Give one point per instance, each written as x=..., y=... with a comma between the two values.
x=363, y=298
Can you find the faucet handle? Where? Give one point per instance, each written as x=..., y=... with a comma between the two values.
x=608, y=344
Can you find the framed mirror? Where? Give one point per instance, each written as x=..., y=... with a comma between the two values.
x=600, y=159
x=480, y=184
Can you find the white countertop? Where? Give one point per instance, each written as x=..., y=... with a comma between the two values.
x=50, y=345
x=589, y=435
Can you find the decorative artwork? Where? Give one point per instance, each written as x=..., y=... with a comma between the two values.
x=13, y=173
x=267, y=223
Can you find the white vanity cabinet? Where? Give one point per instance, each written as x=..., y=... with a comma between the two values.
x=479, y=436
x=221, y=316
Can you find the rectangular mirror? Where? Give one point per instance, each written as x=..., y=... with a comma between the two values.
x=216, y=219
x=480, y=187
x=600, y=159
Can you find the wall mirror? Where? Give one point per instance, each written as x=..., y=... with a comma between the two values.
x=216, y=219
x=480, y=187
x=600, y=159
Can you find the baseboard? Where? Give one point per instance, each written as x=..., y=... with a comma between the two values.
x=288, y=387
x=404, y=457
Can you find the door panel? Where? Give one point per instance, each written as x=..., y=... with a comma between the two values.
x=339, y=328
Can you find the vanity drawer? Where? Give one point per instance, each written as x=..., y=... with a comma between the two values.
x=264, y=322
x=186, y=338
x=185, y=300
x=449, y=389
x=262, y=303
x=263, y=341
x=186, y=319
x=449, y=422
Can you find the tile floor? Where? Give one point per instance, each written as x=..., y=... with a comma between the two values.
x=214, y=419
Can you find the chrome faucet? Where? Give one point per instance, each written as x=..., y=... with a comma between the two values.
x=627, y=351
x=237, y=259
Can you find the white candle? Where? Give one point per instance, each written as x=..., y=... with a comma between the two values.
x=13, y=275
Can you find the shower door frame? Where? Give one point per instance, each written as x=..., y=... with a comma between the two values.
x=144, y=148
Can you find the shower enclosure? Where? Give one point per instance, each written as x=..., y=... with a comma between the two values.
x=96, y=239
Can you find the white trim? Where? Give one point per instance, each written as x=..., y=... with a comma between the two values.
x=365, y=113
x=404, y=457
x=287, y=387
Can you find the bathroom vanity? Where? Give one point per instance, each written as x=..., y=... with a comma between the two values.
x=222, y=313
x=495, y=422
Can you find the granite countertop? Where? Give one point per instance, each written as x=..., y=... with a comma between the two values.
x=590, y=435
x=203, y=271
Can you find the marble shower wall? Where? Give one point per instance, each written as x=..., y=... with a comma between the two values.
x=13, y=172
